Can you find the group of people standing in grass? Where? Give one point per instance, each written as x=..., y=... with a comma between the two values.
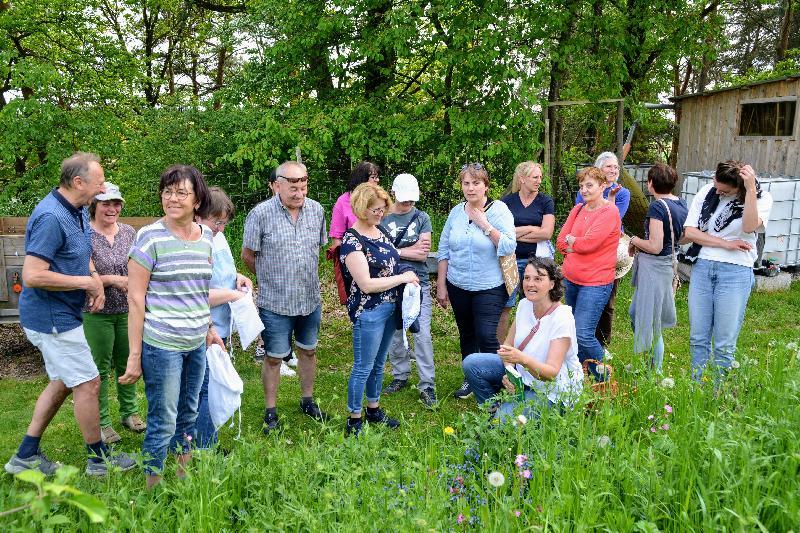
x=100, y=299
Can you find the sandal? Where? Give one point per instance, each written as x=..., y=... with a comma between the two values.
x=109, y=436
x=134, y=423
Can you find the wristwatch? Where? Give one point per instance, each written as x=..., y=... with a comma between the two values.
x=487, y=231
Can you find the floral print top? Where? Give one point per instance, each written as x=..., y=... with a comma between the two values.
x=382, y=258
x=113, y=261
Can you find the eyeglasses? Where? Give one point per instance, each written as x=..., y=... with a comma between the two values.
x=295, y=180
x=476, y=166
x=220, y=223
x=378, y=210
x=166, y=194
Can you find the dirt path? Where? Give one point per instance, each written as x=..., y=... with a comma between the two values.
x=18, y=358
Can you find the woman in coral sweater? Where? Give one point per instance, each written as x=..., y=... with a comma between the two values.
x=588, y=240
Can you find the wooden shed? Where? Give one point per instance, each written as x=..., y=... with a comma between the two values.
x=757, y=123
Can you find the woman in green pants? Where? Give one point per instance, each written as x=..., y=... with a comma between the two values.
x=107, y=330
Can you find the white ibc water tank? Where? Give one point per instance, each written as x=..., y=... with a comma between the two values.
x=782, y=241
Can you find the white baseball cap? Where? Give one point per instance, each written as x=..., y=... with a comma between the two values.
x=112, y=193
x=405, y=188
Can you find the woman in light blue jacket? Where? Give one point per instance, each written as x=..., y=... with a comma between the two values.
x=477, y=233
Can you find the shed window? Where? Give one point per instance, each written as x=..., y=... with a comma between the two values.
x=768, y=119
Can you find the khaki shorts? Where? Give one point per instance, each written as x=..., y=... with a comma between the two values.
x=67, y=356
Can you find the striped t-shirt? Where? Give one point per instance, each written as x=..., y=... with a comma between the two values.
x=176, y=314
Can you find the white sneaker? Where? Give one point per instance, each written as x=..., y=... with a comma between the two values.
x=286, y=371
x=293, y=361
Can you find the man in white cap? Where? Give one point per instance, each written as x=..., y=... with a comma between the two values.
x=410, y=230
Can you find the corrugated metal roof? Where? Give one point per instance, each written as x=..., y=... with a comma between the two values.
x=744, y=86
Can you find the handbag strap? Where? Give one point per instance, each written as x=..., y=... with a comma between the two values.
x=672, y=236
x=535, y=328
x=405, y=230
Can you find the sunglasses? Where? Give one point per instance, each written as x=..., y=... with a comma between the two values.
x=295, y=180
x=476, y=166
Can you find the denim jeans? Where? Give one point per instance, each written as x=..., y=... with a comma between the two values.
x=484, y=372
x=587, y=304
x=512, y=300
x=477, y=314
x=423, y=347
x=372, y=334
x=172, y=382
x=718, y=294
x=278, y=331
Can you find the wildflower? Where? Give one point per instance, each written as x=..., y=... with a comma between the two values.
x=538, y=508
x=653, y=429
x=771, y=343
x=665, y=427
x=735, y=364
x=460, y=518
x=517, y=513
x=668, y=408
x=522, y=419
x=651, y=417
x=603, y=441
x=667, y=383
x=521, y=459
x=496, y=479
x=791, y=346
x=526, y=474
x=188, y=437
x=449, y=431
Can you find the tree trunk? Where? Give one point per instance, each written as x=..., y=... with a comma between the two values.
x=786, y=26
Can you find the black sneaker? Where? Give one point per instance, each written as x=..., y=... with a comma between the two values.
x=313, y=410
x=270, y=422
x=428, y=397
x=395, y=386
x=353, y=426
x=464, y=391
x=379, y=416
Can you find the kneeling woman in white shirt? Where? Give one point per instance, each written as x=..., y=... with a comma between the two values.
x=541, y=345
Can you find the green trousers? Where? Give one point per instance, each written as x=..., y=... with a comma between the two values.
x=107, y=336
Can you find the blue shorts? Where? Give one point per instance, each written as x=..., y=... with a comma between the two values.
x=278, y=331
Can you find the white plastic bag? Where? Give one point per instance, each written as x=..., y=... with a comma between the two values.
x=245, y=319
x=411, y=308
x=225, y=387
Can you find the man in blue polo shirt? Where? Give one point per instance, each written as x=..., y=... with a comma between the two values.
x=58, y=277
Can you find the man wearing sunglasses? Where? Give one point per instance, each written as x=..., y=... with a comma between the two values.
x=282, y=236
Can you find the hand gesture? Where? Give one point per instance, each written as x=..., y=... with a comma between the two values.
x=441, y=295
x=243, y=282
x=96, y=294
x=121, y=283
x=212, y=337
x=748, y=178
x=613, y=189
x=508, y=385
x=132, y=371
x=510, y=355
x=631, y=249
x=477, y=216
x=410, y=277
x=738, y=245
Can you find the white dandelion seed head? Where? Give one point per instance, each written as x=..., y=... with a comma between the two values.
x=735, y=364
x=522, y=419
x=603, y=441
x=667, y=383
x=496, y=479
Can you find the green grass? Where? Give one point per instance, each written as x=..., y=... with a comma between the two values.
x=728, y=461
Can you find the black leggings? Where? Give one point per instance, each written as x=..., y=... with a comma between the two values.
x=477, y=315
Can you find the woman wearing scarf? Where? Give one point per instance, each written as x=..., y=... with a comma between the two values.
x=722, y=224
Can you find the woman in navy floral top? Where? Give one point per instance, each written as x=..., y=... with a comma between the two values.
x=371, y=260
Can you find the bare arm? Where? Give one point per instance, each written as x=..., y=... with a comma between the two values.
x=249, y=259
x=441, y=283
x=655, y=243
x=138, y=280
x=750, y=220
x=36, y=274
x=356, y=263
x=222, y=296
x=704, y=239
x=534, y=234
x=546, y=371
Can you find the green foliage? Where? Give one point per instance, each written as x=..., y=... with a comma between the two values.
x=42, y=504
